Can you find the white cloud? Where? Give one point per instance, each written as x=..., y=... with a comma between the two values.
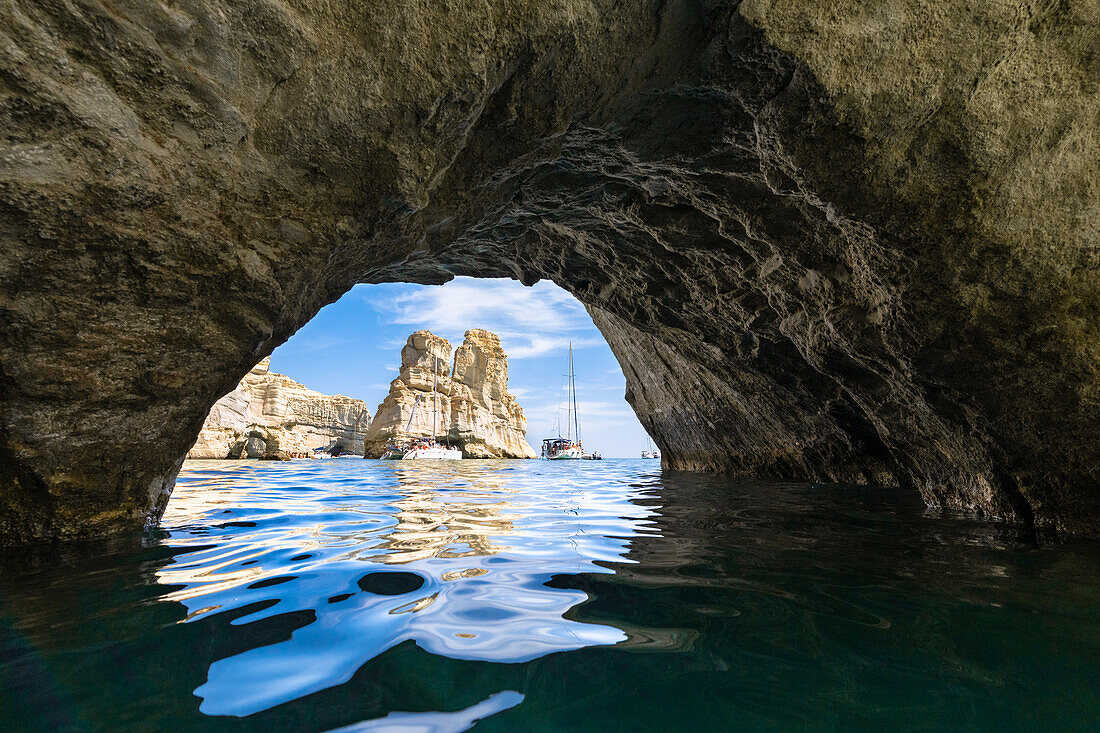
x=531, y=321
x=532, y=345
x=604, y=409
x=602, y=387
x=394, y=343
x=596, y=416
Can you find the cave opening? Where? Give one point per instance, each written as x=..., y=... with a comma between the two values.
x=805, y=268
x=341, y=383
x=813, y=245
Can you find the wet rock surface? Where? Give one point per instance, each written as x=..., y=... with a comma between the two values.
x=853, y=243
x=464, y=397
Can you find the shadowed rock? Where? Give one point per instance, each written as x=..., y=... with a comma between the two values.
x=853, y=243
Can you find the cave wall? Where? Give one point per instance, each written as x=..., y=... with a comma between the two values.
x=831, y=242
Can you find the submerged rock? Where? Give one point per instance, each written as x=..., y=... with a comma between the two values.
x=472, y=407
x=270, y=413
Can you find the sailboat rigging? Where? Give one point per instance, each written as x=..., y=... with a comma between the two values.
x=423, y=448
x=568, y=448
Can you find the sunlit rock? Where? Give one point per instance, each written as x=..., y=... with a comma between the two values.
x=470, y=406
x=270, y=413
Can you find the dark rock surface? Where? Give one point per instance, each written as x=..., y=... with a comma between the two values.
x=853, y=242
x=255, y=446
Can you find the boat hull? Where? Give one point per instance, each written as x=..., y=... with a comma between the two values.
x=433, y=454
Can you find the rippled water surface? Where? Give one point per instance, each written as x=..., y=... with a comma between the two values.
x=527, y=595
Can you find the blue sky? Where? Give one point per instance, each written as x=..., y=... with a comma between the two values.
x=353, y=347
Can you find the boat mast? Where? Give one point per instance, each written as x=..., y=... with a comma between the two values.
x=408, y=425
x=573, y=384
x=568, y=397
x=435, y=394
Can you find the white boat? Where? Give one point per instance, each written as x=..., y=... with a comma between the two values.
x=650, y=451
x=423, y=449
x=568, y=448
x=562, y=449
x=432, y=451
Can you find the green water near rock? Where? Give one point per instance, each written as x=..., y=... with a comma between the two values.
x=527, y=595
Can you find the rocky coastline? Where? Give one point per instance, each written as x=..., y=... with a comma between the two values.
x=270, y=416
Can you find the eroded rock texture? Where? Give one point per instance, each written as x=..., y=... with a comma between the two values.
x=852, y=241
x=464, y=399
x=269, y=412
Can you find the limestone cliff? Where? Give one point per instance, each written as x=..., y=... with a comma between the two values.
x=485, y=417
x=471, y=406
x=270, y=412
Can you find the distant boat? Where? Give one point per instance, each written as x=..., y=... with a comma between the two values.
x=650, y=451
x=423, y=448
x=569, y=448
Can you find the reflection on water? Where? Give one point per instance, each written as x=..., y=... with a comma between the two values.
x=431, y=522
x=474, y=549
x=524, y=595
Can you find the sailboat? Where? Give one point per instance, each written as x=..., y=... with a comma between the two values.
x=396, y=451
x=650, y=451
x=423, y=448
x=568, y=448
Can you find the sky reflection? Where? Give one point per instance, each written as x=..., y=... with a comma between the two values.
x=360, y=556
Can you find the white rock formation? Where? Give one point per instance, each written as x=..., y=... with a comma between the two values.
x=270, y=412
x=472, y=406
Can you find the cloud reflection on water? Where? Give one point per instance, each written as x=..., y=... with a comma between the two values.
x=301, y=538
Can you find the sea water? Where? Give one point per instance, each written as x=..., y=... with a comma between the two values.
x=548, y=596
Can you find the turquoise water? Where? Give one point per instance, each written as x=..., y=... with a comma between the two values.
x=536, y=596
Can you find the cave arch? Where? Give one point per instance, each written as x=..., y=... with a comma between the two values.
x=831, y=245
